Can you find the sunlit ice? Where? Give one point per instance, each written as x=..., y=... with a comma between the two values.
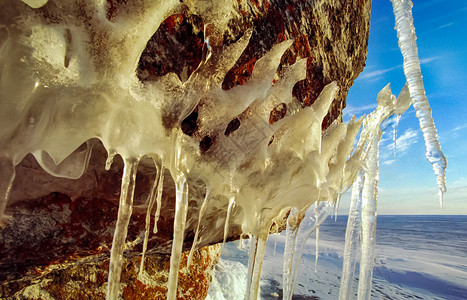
x=69, y=83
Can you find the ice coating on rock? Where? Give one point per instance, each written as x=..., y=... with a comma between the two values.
x=64, y=84
x=407, y=44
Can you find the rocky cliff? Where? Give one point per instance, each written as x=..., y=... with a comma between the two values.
x=57, y=243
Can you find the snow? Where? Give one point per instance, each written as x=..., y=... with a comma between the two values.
x=399, y=273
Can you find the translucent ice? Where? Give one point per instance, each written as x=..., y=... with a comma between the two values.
x=66, y=83
x=181, y=208
x=124, y=213
x=351, y=239
x=407, y=43
x=293, y=254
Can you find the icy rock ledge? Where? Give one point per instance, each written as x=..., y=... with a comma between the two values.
x=68, y=85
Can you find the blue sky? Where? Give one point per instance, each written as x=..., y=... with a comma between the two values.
x=407, y=182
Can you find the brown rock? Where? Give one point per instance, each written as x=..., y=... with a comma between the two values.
x=87, y=278
x=59, y=240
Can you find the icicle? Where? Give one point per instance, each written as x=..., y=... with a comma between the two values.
x=408, y=46
x=152, y=198
x=121, y=229
x=290, y=237
x=369, y=193
x=240, y=242
x=316, y=216
x=275, y=243
x=204, y=206
x=316, y=248
x=336, y=206
x=7, y=176
x=394, y=133
x=255, y=262
x=351, y=239
x=110, y=158
x=307, y=226
x=402, y=104
x=251, y=263
x=181, y=208
x=160, y=188
x=227, y=218
x=275, y=238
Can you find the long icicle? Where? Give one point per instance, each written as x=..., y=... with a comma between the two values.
x=318, y=214
x=407, y=43
x=152, y=198
x=276, y=235
x=227, y=218
x=316, y=248
x=290, y=239
x=204, y=206
x=251, y=263
x=160, y=188
x=351, y=239
x=369, y=194
x=181, y=208
x=7, y=176
x=125, y=210
x=255, y=262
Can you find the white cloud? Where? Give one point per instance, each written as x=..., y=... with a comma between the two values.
x=444, y=25
x=376, y=73
x=460, y=127
x=403, y=143
x=358, y=110
x=428, y=59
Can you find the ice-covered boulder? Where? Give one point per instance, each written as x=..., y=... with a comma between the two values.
x=206, y=99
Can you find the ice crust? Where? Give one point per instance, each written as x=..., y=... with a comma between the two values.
x=64, y=83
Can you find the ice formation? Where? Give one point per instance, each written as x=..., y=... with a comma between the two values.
x=67, y=76
x=408, y=46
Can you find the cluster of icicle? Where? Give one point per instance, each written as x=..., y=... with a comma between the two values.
x=361, y=221
x=66, y=81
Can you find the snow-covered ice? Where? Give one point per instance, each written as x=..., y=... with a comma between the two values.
x=413, y=261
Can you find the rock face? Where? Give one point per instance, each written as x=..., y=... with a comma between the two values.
x=332, y=35
x=86, y=277
x=57, y=245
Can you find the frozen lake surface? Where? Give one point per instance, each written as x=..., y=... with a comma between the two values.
x=418, y=257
